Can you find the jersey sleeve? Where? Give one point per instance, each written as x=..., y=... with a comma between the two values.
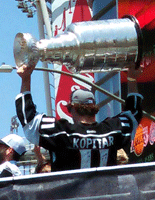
x=132, y=114
x=128, y=120
x=39, y=129
x=28, y=116
x=134, y=104
x=52, y=132
x=25, y=108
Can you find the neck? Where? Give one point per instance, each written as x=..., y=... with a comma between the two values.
x=86, y=119
x=83, y=119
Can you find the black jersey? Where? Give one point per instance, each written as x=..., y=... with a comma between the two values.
x=79, y=145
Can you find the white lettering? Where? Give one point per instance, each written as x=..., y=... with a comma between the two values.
x=75, y=143
x=82, y=143
x=111, y=140
x=89, y=142
x=93, y=143
x=99, y=143
x=104, y=142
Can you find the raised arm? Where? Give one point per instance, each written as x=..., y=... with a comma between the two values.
x=40, y=157
x=25, y=108
x=134, y=99
x=25, y=73
x=31, y=121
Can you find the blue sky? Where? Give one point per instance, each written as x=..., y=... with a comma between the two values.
x=12, y=21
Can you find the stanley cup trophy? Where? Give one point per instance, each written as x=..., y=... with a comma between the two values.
x=86, y=46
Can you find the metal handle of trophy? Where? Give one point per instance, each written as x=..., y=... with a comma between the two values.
x=25, y=50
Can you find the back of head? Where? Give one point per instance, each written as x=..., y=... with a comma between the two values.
x=83, y=100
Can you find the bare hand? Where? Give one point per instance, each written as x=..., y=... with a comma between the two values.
x=25, y=71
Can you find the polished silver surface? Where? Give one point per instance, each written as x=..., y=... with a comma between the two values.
x=94, y=45
x=25, y=50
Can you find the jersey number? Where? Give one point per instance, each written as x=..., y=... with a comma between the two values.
x=86, y=158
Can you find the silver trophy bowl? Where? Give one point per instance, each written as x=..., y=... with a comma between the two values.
x=25, y=50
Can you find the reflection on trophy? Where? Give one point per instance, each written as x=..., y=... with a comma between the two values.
x=85, y=46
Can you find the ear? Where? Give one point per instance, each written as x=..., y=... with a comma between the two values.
x=9, y=150
x=69, y=107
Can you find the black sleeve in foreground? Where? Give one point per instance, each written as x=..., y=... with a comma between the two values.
x=25, y=108
x=134, y=104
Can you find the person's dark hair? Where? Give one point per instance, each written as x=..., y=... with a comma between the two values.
x=3, y=149
x=84, y=109
x=16, y=156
